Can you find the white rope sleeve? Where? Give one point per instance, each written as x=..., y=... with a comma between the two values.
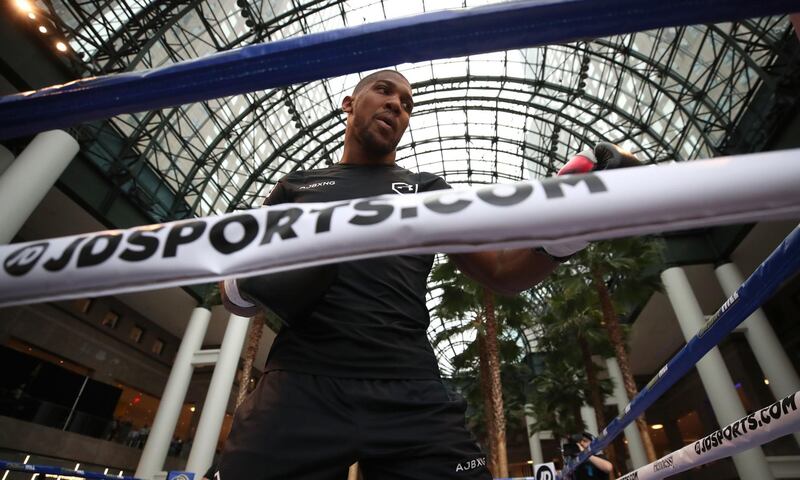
x=758, y=428
x=553, y=211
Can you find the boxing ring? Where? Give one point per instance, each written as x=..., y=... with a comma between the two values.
x=603, y=205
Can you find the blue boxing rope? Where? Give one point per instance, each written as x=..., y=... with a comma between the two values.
x=429, y=36
x=783, y=262
x=47, y=470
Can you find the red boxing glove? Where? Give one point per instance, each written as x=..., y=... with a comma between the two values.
x=604, y=156
x=583, y=162
x=610, y=156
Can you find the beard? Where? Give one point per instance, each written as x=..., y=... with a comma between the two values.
x=377, y=144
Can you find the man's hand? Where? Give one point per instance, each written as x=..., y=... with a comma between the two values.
x=604, y=156
x=509, y=272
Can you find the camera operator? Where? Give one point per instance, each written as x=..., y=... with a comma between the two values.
x=595, y=468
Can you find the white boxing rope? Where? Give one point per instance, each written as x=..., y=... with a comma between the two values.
x=595, y=206
x=773, y=421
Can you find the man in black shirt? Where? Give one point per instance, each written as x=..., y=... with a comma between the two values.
x=352, y=375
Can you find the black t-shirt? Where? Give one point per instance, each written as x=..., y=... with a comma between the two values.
x=372, y=321
x=588, y=471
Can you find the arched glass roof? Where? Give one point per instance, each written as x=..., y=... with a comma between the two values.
x=672, y=94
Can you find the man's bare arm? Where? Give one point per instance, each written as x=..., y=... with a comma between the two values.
x=507, y=272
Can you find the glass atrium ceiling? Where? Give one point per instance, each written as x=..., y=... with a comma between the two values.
x=671, y=94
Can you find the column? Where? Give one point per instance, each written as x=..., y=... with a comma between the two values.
x=635, y=445
x=26, y=181
x=766, y=347
x=169, y=409
x=714, y=374
x=219, y=391
x=6, y=159
x=590, y=419
x=534, y=442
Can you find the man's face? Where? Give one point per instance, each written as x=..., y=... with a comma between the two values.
x=584, y=443
x=378, y=114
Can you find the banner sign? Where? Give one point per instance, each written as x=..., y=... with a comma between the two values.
x=544, y=471
x=180, y=476
x=780, y=418
x=595, y=206
x=541, y=471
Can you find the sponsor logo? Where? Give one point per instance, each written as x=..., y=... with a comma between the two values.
x=404, y=188
x=23, y=260
x=184, y=476
x=659, y=465
x=326, y=183
x=232, y=233
x=725, y=306
x=658, y=376
x=468, y=465
x=545, y=472
x=631, y=476
x=746, y=425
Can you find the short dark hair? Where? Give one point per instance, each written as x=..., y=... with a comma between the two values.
x=371, y=77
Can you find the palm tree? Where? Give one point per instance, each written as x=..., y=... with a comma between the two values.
x=616, y=275
x=488, y=316
x=555, y=396
x=251, y=350
x=562, y=325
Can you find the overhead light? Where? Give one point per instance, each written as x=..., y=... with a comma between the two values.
x=42, y=29
x=530, y=462
x=24, y=5
x=61, y=47
x=657, y=426
x=192, y=409
x=766, y=381
x=32, y=15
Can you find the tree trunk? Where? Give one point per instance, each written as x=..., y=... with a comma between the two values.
x=596, y=395
x=251, y=349
x=493, y=357
x=488, y=408
x=615, y=336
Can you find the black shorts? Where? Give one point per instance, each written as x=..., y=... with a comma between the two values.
x=306, y=427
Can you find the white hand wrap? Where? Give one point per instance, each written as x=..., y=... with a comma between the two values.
x=232, y=292
x=566, y=249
